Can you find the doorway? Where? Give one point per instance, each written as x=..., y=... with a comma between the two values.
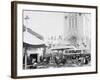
x=34, y=56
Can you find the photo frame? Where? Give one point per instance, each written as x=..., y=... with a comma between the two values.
x=51, y=39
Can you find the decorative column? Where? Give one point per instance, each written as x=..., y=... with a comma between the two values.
x=25, y=57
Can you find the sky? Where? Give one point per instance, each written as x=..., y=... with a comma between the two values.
x=52, y=23
x=45, y=23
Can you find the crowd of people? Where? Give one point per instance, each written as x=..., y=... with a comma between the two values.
x=60, y=61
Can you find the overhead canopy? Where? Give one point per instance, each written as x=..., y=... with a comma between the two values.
x=31, y=39
x=33, y=46
x=62, y=47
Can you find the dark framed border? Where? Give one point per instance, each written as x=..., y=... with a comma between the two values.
x=14, y=37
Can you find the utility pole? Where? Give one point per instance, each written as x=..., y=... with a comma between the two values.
x=26, y=20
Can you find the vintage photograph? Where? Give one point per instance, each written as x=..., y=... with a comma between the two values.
x=53, y=39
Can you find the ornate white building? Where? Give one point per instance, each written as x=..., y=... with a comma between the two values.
x=77, y=29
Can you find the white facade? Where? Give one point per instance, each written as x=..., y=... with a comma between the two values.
x=77, y=28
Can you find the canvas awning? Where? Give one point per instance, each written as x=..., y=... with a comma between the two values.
x=31, y=39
